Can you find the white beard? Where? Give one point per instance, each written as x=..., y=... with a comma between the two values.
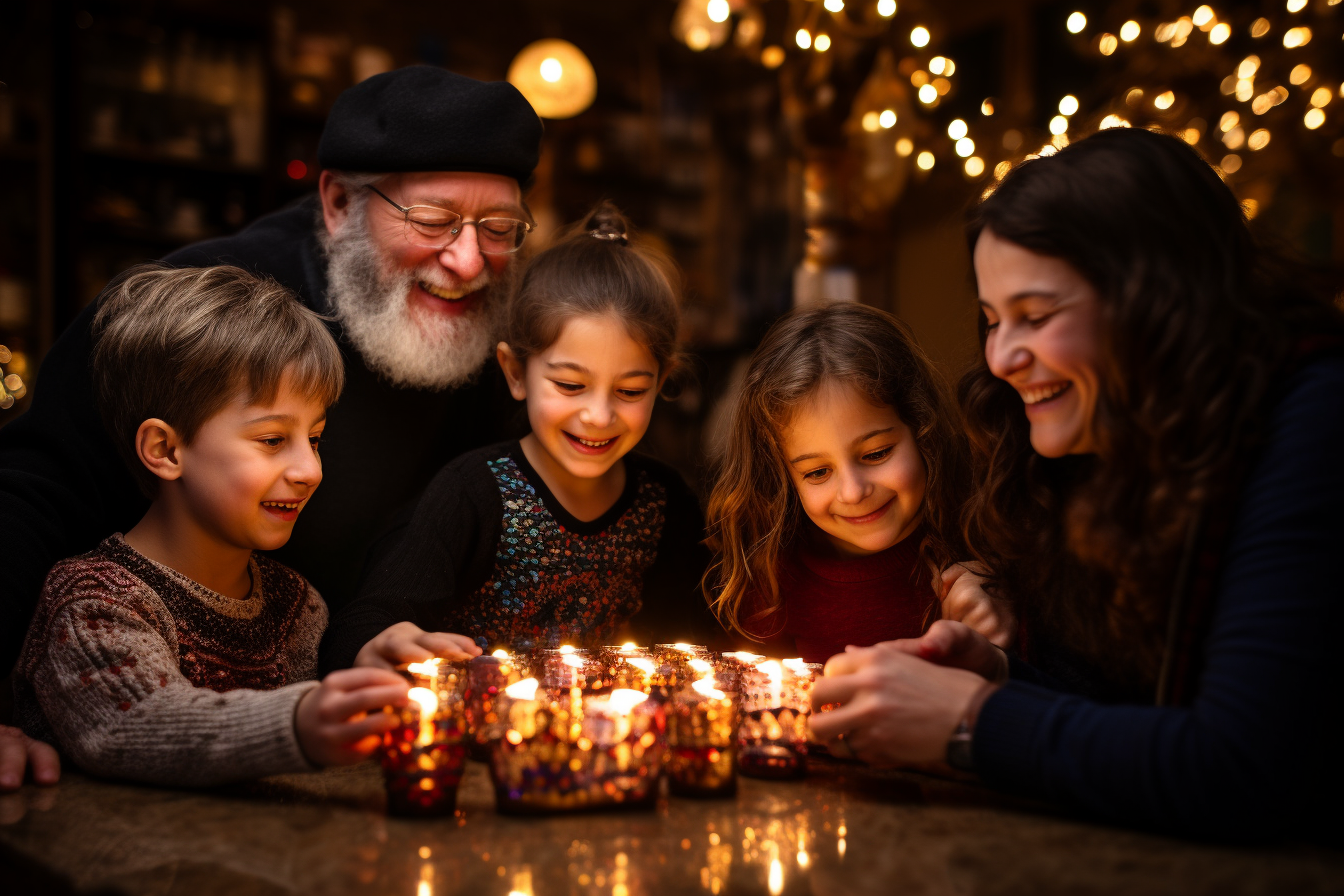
x=411, y=347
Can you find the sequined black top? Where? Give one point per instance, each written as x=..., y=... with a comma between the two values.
x=490, y=553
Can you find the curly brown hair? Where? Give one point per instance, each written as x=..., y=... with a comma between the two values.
x=1196, y=322
x=753, y=508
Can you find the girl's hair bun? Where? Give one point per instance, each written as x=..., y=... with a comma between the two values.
x=607, y=223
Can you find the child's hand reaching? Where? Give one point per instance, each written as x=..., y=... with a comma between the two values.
x=407, y=642
x=341, y=721
x=966, y=600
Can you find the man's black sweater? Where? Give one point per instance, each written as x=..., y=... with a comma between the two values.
x=64, y=487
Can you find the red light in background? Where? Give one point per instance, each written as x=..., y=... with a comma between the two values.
x=296, y=169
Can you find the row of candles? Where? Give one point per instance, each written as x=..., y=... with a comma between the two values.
x=569, y=729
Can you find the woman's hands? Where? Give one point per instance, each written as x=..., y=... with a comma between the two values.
x=407, y=642
x=898, y=709
x=19, y=751
x=957, y=645
x=965, y=599
x=341, y=721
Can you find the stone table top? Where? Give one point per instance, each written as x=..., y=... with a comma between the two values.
x=843, y=830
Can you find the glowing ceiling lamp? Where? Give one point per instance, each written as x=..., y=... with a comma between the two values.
x=555, y=77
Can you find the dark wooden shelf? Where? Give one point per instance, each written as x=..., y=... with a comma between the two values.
x=146, y=157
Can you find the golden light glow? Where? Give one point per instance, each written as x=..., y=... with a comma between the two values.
x=886, y=8
x=1134, y=96
x=924, y=160
x=1320, y=97
x=928, y=94
x=555, y=77
x=1297, y=5
x=803, y=38
x=1114, y=121
x=1314, y=118
x=1251, y=207
x=705, y=687
x=1235, y=138
x=942, y=85
x=1259, y=139
x=956, y=129
x=1260, y=27
x=1228, y=121
x=919, y=77
x=834, y=5
x=941, y=65
x=776, y=878
x=1048, y=149
x=1107, y=44
x=1183, y=26
x=919, y=36
x=1245, y=89
x=643, y=664
x=965, y=146
x=1297, y=37
x=772, y=56
x=523, y=690
x=1068, y=105
x=1220, y=33
x=717, y=10
x=1059, y=141
x=887, y=119
x=1190, y=135
x=1001, y=170
x=822, y=43
x=987, y=107
x=870, y=122
x=1263, y=103
x=429, y=667
x=1165, y=100
x=1248, y=67
x=1300, y=74
x=975, y=166
x=904, y=147
x=429, y=702
x=1059, y=124
x=1203, y=16
x=1231, y=163
x=1076, y=22
x=1129, y=31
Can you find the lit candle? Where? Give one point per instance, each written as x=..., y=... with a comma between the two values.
x=423, y=757
x=776, y=702
x=702, y=740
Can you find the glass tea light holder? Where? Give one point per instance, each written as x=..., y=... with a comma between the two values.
x=487, y=677
x=570, y=749
x=672, y=663
x=702, y=739
x=423, y=757
x=772, y=735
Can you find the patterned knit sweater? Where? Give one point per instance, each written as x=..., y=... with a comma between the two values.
x=138, y=672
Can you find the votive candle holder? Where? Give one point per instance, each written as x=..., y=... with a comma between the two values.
x=772, y=735
x=702, y=740
x=423, y=757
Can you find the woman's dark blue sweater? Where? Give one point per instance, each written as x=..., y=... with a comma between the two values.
x=1256, y=753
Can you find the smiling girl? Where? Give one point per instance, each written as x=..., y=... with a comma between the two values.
x=835, y=509
x=563, y=536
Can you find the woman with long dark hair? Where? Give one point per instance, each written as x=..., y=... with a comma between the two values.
x=1157, y=428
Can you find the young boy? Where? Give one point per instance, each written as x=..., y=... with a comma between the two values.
x=174, y=654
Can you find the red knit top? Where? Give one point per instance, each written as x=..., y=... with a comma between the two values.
x=831, y=601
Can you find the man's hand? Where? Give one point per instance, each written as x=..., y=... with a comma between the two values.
x=957, y=645
x=965, y=599
x=407, y=642
x=19, y=751
x=341, y=721
x=898, y=710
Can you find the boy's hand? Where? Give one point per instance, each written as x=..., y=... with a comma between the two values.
x=407, y=642
x=17, y=751
x=341, y=721
x=966, y=600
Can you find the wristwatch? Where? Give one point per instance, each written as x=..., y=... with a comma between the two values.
x=959, y=754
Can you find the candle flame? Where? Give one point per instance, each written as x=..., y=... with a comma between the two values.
x=629, y=645
x=797, y=666
x=623, y=700
x=523, y=690
x=566, y=648
x=701, y=666
x=573, y=661
x=500, y=654
x=429, y=667
x=706, y=687
x=776, y=882
x=773, y=669
x=745, y=657
x=641, y=663
x=685, y=648
x=429, y=702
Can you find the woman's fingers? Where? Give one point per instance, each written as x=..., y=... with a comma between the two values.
x=838, y=721
x=44, y=762
x=448, y=645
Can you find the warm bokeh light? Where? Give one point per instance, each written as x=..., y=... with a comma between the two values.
x=1113, y=121
x=296, y=169
x=1314, y=118
x=904, y=147
x=928, y=94
x=919, y=36
x=1190, y=135
x=1248, y=67
x=1220, y=33
x=975, y=166
x=1235, y=138
x=937, y=64
x=1231, y=163
x=803, y=38
x=1107, y=44
x=942, y=85
x=555, y=77
x=1129, y=31
x=822, y=43
x=1228, y=121
x=886, y=8
x=834, y=5
x=772, y=56
x=1068, y=105
x=1258, y=140
x=1001, y=170
x=1300, y=74
x=1203, y=16
x=1134, y=96
x=924, y=160
x=1297, y=5
x=1260, y=27
x=1320, y=97
x=1165, y=100
x=1297, y=37
x=965, y=146
x=1076, y=22
x=1059, y=124
x=1245, y=89
x=956, y=129
x=887, y=119
x=551, y=69
x=717, y=10
x=870, y=122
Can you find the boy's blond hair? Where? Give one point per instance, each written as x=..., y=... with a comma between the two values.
x=177, y=344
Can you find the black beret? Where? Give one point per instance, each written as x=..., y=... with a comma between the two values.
x=423, y=118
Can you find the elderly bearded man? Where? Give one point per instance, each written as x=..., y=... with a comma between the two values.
x=418, y=215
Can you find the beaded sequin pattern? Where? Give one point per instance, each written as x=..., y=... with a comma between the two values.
x=552, y=586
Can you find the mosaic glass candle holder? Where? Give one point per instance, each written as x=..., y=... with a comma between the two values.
x=627, y=666
x=702, y=740
x=487, y=677
x=423, y=757
x=775, y=705
x=573, y=749
x=673, y=664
